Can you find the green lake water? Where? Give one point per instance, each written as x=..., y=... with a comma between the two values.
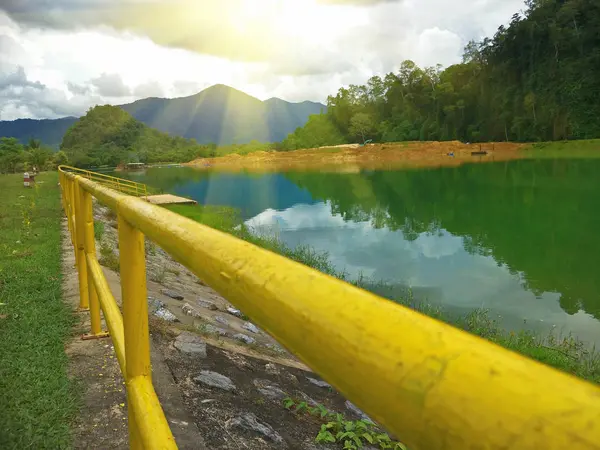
x=521, y=238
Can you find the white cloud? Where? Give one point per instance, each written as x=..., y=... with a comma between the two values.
x=110, y=85
x=297, y=49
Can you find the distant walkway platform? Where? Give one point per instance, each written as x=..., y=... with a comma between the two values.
x=169, y=199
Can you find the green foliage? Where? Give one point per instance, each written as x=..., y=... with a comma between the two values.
x=361, y=125
x=535, y=80
x=352, y=434
x=108, y=257
x=15, y=157
x=244, y=149
x=98, y=230
x=107, y=135
x=12, y=155
x=319, y=131
x=219, y=217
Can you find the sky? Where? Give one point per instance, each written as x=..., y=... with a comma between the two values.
x=60, y=57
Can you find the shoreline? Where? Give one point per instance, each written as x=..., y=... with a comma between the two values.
x=350, y=158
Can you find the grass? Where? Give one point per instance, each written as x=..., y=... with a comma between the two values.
x=108, y=257
x=37, y=400
x=98, y=230
x=159, y=277
x=564, y=353
x=565, y=149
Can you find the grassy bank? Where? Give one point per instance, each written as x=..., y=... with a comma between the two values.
x=567, y=353
x=564, y=149
x=37, y=401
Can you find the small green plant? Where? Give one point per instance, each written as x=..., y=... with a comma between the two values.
x=352, y=434
x=150, y=248
x=159, y=276
x=98, y=230
x=108, y=258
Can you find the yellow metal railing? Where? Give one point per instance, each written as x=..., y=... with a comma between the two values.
x=433, y=386
x=119, y=184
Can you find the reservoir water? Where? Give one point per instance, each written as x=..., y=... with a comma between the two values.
x=520, y=238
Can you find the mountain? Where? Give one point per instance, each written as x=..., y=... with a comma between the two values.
x=49, y=131
x=284, y=117
x=108, y=135
x=219, y=114
x=223, y=115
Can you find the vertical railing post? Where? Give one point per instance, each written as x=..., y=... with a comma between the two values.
x=71, y=197
x=90, y=251
x=80, y=246
x=135, y=312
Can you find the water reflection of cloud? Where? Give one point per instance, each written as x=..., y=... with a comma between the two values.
x=439, y=260
x=438, y=245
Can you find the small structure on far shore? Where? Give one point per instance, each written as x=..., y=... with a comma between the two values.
x=135, y=166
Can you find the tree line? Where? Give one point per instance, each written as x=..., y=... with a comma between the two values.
x=16, y=157
x=535, y=80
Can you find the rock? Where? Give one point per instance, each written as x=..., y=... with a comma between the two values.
x=321, y=384
x=208, y=328
x=275, y=347
x=291, y=377
x=244, y=338
x=208, y=305
x=271, y=369
x=273, y=393
x=269, y=389
x=222, y=320
x=215, y=379
x=250, y=327
x=190, y=311
x=172, y=294
x=154, y=304
x=261, y=383
x=249, y=421
x=165, y=314
x=234, y=312
x=174, y=331
x=356, y=410
x=308, y=399
x=188, y=342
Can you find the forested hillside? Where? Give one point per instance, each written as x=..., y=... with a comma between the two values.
x=537, y=79
x=107, y=135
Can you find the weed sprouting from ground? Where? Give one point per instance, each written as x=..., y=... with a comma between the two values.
x=159, y=276
x=150, y=248
x=108, y=257
x=351, y=434
x=98, y=230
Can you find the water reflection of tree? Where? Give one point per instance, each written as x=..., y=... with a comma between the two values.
x=537, y=218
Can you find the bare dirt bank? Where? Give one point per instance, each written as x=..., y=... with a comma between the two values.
x=372, y=156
